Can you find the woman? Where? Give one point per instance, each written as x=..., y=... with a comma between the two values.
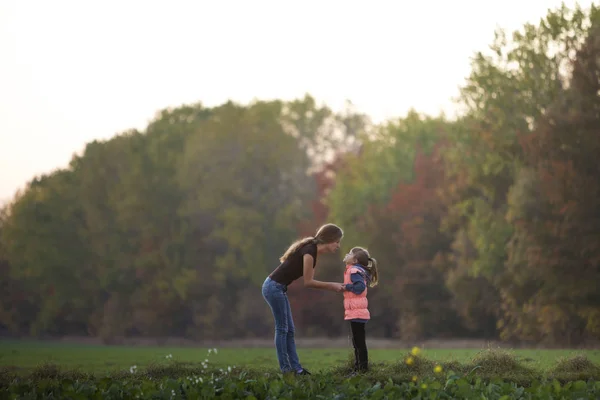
x=299, y=260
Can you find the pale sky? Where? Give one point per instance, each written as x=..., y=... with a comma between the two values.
x=75, y=71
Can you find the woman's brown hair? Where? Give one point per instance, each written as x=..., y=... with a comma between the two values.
x=328, y=233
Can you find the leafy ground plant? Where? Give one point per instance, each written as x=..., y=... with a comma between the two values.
x=490, y=374
x=323, y=386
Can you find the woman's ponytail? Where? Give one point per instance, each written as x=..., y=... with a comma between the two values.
x=295, y=246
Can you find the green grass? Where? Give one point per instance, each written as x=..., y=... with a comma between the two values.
x=27, y=355
x=51, y=370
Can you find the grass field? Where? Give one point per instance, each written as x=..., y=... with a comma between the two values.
x=26, y=355
x=50, y=370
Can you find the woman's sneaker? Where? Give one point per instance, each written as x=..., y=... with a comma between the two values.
x=303, y=371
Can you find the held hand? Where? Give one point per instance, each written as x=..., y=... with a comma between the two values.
x=335, y=287
x=341, y=287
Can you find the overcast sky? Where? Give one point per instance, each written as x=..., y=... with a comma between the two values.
x=74, y=71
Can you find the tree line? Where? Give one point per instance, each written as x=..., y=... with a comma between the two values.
x=486, y=226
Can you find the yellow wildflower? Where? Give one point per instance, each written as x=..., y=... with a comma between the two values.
x=415, y=351
x=414, y=378
x=437, y=369
x=410, y=361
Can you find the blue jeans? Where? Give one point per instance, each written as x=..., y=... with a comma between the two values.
x=276, y=297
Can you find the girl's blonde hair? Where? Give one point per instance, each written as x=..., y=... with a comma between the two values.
x=367, y=262
x=328, y=233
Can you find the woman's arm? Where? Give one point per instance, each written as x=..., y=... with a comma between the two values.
x=309, y=280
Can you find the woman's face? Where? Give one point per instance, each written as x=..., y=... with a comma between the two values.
x=333, y=247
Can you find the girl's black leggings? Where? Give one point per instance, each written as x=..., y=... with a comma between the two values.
x=361, y=355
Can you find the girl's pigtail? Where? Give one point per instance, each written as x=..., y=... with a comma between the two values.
x=373, y=272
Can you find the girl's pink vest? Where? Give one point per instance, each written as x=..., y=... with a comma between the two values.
x=356, y=305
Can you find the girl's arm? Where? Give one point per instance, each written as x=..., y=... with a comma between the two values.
x=358, y=283
x=309, y=280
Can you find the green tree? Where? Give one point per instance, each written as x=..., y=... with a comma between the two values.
x=385, y=159
x=245, y=182
x=554, y=256
x=381, y=196
x=41, y=238
x=506, y=95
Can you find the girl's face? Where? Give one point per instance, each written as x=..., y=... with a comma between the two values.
x=349, y=258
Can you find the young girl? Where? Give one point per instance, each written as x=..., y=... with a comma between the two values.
x=298, y=261
x=361, y=271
